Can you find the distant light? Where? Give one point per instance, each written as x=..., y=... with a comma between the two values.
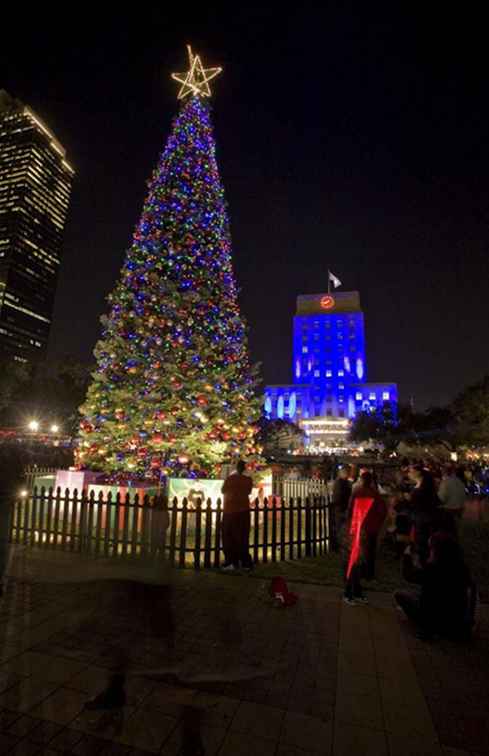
x=33, y=426
x=54, y=428
x=23, y=493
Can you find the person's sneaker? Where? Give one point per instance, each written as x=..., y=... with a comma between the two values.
x=361, y=600
x=349, y=601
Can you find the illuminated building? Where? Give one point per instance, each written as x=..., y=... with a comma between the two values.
x=329, y=369
x=35, y=185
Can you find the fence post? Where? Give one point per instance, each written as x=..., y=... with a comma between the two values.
x=83, y=521
x=183, y=534
x=125, y=529
x=144, y=508
x=308, y=527
x=98, y=505
x=217, y=536
x=291, y=511
x=57, y=505
x=314, y=525
x=64, y=515
x=265, y=531
x=256, y=529
x=208, y=534
x=282, y=531
x=173, y=531
x=25, y=524
x=74, y=519
x=135, y=529
x=198, y=530
x=320, y=525
x=274, y=529
x=328, y=522
x=299, y=528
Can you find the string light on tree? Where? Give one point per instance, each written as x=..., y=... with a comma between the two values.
x=173, y=392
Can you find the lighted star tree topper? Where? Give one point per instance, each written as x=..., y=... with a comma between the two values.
x=173, y=392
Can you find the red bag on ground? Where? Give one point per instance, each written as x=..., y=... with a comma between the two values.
x=281, y=594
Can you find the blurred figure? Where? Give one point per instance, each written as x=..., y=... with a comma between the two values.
x=452, y=492
x=236, y=519
x=340, y=501
x=447, y=602
x=366, y=515
x=11, y=474
x=423, y=502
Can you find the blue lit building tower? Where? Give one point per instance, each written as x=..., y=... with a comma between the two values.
x=329, y=368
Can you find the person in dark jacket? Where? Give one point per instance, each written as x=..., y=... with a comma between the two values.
x=340, y=501
x=366, y=514
x=423, y=503
x=446, y=604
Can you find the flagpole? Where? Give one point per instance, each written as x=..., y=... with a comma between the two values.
x=329, y=283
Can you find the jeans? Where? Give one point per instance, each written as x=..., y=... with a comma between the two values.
x=370, y=556
x=353, y=586
x=235, y=538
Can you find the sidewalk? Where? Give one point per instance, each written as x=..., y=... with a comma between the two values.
x=242, y=677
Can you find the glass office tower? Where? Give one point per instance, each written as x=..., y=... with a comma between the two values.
x=35, y=186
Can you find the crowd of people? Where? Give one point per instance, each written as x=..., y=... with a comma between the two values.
x=425, y=506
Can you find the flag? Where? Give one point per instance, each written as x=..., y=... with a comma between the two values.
x=335, y=281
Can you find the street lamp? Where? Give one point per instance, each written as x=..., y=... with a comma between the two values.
x=33, y=426
x=54, y=428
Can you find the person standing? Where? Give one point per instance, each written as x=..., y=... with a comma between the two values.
x=367, y=509
x=424, y=503
x=340, y=501
x=452, y=492
x=236, y=519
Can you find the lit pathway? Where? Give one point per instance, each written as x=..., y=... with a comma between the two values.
x=244, y=678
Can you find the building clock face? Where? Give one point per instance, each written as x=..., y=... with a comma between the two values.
x=327, y=302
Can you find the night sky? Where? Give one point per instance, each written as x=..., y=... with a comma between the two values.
x=353, y=138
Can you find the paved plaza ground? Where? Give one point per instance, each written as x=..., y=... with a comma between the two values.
x=215, y=668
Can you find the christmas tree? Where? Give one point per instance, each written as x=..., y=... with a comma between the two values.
x=173, y=391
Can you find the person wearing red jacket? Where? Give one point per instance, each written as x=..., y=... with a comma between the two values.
x=366, y=515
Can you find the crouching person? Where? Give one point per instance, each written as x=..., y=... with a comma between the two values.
x=446, y=603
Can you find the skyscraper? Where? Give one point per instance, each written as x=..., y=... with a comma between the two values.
x=329, y=369
x=35, y=185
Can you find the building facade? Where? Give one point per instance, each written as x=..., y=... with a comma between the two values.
x=35, y=186
x=330, y=383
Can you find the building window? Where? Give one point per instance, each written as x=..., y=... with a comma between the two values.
x=329, y=373
x=329, y=412
x=305, y=350
x=372, y=396
x=341, y=413
x=341, y=386
x=385, y=396
x=341, y=373
x=316, y=373
x=359, y=396
x=340, y=399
